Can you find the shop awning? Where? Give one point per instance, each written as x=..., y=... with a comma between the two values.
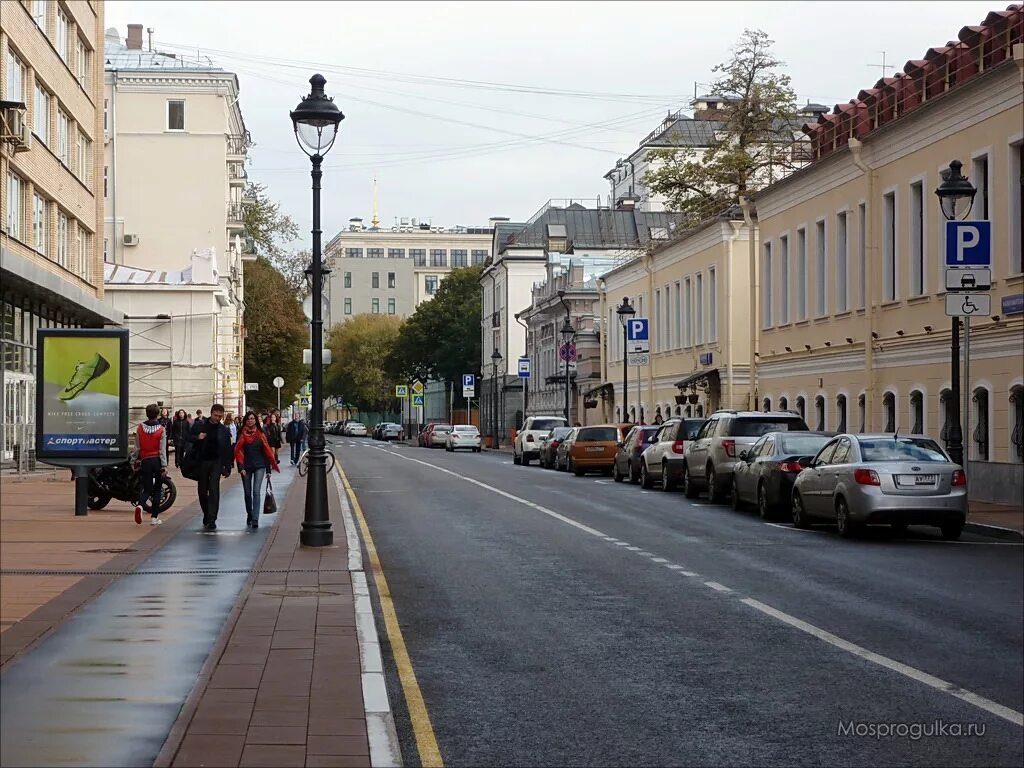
x=710, y=375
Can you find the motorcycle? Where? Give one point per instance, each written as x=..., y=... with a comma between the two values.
x=123, y=482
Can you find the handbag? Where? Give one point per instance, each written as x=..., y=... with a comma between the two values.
x=190, y=461
x=269, y=502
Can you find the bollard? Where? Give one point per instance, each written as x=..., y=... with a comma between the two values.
x=81, y=475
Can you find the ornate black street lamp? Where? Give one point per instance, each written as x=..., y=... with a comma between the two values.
x=955, y=194
x=316, y=121
x=625, y=312
x=495, y=362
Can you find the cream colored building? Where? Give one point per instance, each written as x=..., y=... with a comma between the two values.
x=51, y=203
x=174, y=177
x=851, y=302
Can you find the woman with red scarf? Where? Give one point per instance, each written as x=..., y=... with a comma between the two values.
x=254, y=457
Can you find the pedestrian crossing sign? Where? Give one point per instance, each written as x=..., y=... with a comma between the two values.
x=417, y=400
x=401, y=391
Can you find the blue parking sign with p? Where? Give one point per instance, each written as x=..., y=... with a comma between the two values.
x=968, y=243
x=468, y=380
x=637, y=329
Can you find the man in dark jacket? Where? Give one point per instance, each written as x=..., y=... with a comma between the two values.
x=296, y=436
x=214, y=453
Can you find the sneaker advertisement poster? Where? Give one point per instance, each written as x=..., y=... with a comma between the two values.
x=81, y=394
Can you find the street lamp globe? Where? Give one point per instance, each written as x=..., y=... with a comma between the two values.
x=955, y=192
x=567, y=330
x=495, y=358
x=625, y=311
x=316, y=119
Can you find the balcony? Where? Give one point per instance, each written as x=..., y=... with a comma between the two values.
x=235, y=217
x=237, y=175
x=237, y=146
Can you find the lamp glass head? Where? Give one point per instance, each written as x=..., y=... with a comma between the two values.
x=316, y=119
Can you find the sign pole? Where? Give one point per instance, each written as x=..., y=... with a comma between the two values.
x=967, y=395
x=81, y=475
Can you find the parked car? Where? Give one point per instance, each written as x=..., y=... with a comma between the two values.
x=662, y=461
x=713, y=454
x=463, y=436
x=526, y=446
x=437, y=435
x=767, y=470
x=627, y=458
x=549, y=446
x=392, y=431
x=858, y=480
x=562, y=451
x=424, y=428
x=594, y=448
x=355, y=429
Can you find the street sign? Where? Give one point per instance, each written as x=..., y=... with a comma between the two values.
x=968, y=243
x=417, y=400
x=638, y=335
x=417, y=387
x=1013, y=305
x=524, y=367
x=567, y=352
x=252, y=386
x=304, y=402
x=278, y=382
x=968, y=304
x=401, y=391
x=468, y=385
x=307, y=358
x=307, y=307
x=959, y=279
x=638, y=358
x=706, y=358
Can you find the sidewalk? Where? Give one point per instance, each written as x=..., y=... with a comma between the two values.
x=983, y=516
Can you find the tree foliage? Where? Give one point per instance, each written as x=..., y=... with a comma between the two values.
x=276, y=332
x=751, y=149
x=360, y=348
x=272, y=232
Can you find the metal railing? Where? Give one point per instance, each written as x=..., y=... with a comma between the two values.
x=237, y=145
x=18, y=452
x=236, y=212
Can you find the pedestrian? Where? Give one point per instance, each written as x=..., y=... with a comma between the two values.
x=254, y=458
x=199, y=416
x=151, y=452
x=179, y=430
x=272, y=429
x=296, y=435
x=165, y=418
x=229, y=422
x=214, y=455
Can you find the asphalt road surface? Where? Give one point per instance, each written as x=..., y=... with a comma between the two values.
x=555, y=620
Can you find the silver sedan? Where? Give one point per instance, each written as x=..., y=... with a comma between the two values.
x=890, y=479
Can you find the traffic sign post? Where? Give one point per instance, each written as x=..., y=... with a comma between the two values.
x=965, y=279
x=638, y=335
x=401, y=391
x=638, y=358
x=524, y=367
x=278, y=383
x=969, y=243
x=417, y=387
x=468, y=385
x=417, y=401
x=969, y=304
x=567, y=352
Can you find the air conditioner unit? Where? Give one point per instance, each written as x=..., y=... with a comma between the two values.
x=130, y=239
x=106, y=137
x=22, y=137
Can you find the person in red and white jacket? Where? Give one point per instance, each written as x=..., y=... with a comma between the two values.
x=151, y=451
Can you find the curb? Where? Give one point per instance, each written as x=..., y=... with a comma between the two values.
x=995, y=531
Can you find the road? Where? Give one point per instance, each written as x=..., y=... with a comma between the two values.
x=555, y=620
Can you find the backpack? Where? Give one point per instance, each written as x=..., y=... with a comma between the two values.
x=190, y=461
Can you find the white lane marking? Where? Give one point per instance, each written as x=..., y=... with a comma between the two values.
x=794, y=528
x=658, y=560
x=674, y=567
x=1013, y=716
x=938, y=684
x=622, y=543
x=631, y=548
x=602, y=482
x=645, y=553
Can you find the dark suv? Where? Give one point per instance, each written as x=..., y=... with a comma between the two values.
x=712, y=455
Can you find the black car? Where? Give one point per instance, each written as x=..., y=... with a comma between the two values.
x=627, y=458
x=766, y=471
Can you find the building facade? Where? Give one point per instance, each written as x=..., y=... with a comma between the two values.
x=51, y=201
x=851, y=302
x=174, y=132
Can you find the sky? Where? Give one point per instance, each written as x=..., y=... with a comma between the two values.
x=467, y=110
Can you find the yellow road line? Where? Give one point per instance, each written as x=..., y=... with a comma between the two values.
x=426, y=742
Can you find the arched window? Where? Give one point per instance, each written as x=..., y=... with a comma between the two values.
x=862, y=407
x=679, y=410
x=700, y=411
x=632, y=414
x=889, y=411
x=946, y=411
x=767, y=404
x=642, y=415
x=801, y=407
x=819, y=412
x=689, y=411
x=657, y=412
x=783, y=404
x=917, y=412
x=841, y=413
x=980, y=400
x=618, y=414
x=1017, y=430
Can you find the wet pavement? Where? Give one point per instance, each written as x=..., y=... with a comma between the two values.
x=106, y=687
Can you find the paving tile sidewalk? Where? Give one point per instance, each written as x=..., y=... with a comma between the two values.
x=286, y=690
x=982, y=513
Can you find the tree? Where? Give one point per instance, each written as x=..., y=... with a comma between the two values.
x=276, y=332
x=272, y=231
x=359, y=348
x=751, y=149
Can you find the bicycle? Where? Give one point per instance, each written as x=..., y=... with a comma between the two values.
x=303, y=464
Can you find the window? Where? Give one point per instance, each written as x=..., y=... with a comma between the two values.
x=83, y=61
x=375, y=306
x=766, y=405
x=862, y=254
x=801, y=407
x=841, y=413
x=1016, y=210
x=980, y=401
x=430, y=284
x=438, y=257
x=698, y=315
x=348, y=279
x=801, y=274
x=41, y=114
x=917, y=238
x=889, y=288
x=479, y=257
x=391, y=306
x=39, y=224
x=15, y=200
x=84, y=159
x=375, y=253
x=62, y=239
x=353, y=253
x=106, y=249
x=15, y=77
x=348, y=306
x=946, y=409
x=819, y=412
x=658, y=347
x=766, y=287
x=375, y=280
x=106, y=176
x=783, y=404
x=783, y=280
x=459, y=258
x=63, y=35
x=64, y=137
x=863, y=409
x=84, y=249
x=396, y=253
x=1017, y=431
x=419, y=257
x=916, y=413
x=842, y=265
x=678, y=317
x=820, y=272
x=889, y=411
x=979, y=177
x=391, y=280
x=687, y=326
x=712, y=304
x=39, y=13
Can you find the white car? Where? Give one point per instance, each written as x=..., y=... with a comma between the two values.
x=526, y=446
x=463, y=436
x=355, y=429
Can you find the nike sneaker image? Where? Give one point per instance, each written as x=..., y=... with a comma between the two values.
x=85, y=371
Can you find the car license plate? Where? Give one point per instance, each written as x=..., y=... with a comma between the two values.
x=917, y=479
x=595, y=449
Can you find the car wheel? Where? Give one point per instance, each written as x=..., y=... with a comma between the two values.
x=667, y=483
x=616, y=475
x=688, y=490
x=952, y=531
x=571, y=466
x=847, y=527
x=525, y=460
x=714, y=495
x=900, y=528
x=734, y=495
x=645, y=478
x=763, y=507
x=515, y=457
x=800, y=519
x=634, y=477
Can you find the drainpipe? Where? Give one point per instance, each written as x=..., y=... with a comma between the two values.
x=649, y=266
x=604, y=339
x=113, y=168
x=494, y=372
x=755, y=292
x=870, y=256
x=737, y=227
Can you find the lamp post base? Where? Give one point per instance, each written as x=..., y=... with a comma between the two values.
x=316, y=535
x=316, y=525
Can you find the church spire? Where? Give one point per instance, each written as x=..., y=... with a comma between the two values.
x=375, y=221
